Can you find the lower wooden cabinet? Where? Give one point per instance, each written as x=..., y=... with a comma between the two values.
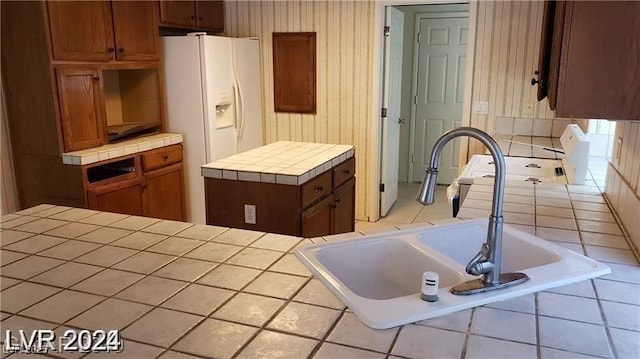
x=123, y=185
x=334, y=214
x=121, y=197
x=163, y=197
x=321, y=206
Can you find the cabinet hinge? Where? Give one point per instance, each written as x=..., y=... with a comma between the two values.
x=387, y=30
x=419, y=34
x=381, y=187
x=383, y=112
x=413, y=156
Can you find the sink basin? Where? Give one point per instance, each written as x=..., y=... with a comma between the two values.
x=379, y=276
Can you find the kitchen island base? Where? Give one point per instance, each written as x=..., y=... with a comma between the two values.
x=321, y=206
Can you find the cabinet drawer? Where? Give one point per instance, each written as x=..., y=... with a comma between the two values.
x=316, y=220
x=161, y=157
x=316, y=189
x=344, y=171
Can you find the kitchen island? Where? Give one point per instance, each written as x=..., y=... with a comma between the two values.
x=295, y=188
x=179, y=290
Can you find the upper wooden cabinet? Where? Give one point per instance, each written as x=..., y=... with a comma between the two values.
x=82, y=110
x=197, y=15
x=178, y=13
x=103, y=30
x=589, y=59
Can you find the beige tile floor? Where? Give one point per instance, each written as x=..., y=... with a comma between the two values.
x=242, y=294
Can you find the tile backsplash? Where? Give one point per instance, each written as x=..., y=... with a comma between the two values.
x=542, y=127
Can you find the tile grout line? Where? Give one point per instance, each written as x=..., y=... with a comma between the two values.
x=612, y=348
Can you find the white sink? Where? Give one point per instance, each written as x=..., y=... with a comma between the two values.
x=379, y=276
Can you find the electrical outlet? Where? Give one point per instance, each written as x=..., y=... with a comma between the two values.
x=250, y=213
x=481, y=107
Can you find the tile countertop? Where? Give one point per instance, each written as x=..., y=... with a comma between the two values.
x=128, y=147
x=176, y=289
x=519, y=150
x=284, y=162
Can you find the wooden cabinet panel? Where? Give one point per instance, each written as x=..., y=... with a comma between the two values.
x=316, y=208
x=178, y=13
x=344, y=207
x=161, y=157
x=316, y=221
x=599, y=65
x=210, y=15
x=592, y=58
x=81, y=30
x=316, y=189
x=163, y=193
x=81, y=107
x=121, y=185
x=344, y=171
x=136, y=30
x=122, y=197
x=294, y=72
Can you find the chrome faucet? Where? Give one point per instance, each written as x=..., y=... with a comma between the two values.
x=488, y=261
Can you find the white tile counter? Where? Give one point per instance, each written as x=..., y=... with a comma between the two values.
x=128, y=147
x=283, y=162
x=179, y=290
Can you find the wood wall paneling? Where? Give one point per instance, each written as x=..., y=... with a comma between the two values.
x=507, y=43
x=344, y=48
x=623, y=179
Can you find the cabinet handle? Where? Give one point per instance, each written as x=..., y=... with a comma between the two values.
x=200, y=18
x=121, y=49
x=192, y=17
x=165, y=157
x=96, y=78
x=112, y=49
x=318, y=190
x=534, y=81
x=337, y=201
x=346, y=172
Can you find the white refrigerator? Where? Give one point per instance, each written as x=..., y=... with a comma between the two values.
x=212, y=89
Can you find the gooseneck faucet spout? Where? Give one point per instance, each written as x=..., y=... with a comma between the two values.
x=488, y=260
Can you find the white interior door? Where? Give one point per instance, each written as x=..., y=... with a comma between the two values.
x=391, y=102
x=440, y=90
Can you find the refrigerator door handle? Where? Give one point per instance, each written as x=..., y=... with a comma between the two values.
x=239, y=102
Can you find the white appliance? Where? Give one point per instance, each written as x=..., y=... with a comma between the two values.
x=212, y=88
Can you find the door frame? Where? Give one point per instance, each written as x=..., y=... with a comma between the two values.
x=414, y=79
x=375, y=143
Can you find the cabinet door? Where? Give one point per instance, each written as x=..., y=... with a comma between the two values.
x=178, y=13
x=82, y=110
x=122, y=197
x=135, y=25
x=164, y=193
x=344, y=207
x=210, y=15
x=316, y=221
x=81, y=30
x=599, y=65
